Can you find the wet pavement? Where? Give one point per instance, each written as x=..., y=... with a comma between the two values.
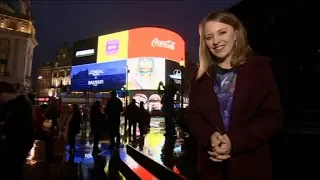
x=83, y=165
x=63, y=166
x=170, y=152
x=176, y=154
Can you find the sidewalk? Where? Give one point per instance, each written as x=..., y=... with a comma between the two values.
x=35, y=167
x=65, y=167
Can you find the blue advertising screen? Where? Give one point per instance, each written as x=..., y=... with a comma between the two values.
x=99, y=76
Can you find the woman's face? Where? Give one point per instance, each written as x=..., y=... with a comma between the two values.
x=219, y=38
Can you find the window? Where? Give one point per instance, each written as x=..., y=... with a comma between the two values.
x=13, y=25
x=4, y=55
x=2, y=69
x=61, y=74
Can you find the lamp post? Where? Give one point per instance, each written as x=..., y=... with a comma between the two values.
x=38, y=85
x=123, y=94
x=182, y=65
x=126, y=86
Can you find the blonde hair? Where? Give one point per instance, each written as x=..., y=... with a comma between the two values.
x=241, y=50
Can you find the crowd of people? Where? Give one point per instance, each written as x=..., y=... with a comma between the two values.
x=22, y=122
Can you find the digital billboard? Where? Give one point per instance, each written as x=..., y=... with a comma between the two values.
x=152, y=101
x=85, y=51
x=141, y=42
x=145, y=73
x=99, y=76
x=173, y=71
x=156, y=42
x=113, y=47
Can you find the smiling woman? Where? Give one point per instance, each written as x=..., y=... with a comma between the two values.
x=222, y=36
x=234, y=105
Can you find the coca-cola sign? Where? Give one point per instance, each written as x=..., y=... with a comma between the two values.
x=168, y=44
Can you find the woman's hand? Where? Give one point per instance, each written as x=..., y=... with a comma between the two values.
x=221, y=147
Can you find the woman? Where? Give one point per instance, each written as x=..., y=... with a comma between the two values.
x=97, y=118
x=73, y=127
x=234, y=106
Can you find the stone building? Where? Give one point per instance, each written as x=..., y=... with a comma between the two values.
x=54, y=76
x=17, y=41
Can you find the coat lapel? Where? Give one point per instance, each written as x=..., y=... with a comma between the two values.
x=208, y=102
x=241, y=94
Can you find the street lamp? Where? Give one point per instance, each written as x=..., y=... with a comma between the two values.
x=38, y=85
x=123, y=94
x=126, y=86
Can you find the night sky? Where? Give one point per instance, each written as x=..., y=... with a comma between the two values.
x=60, y=21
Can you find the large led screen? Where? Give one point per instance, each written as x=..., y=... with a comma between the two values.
x=145, y=73
x=156, y=42
x=141, y=42
x=85, y=51
x=173, y=71
x=113, y=47
x=99, y=76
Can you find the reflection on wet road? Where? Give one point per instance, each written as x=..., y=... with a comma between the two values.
x=166, y=151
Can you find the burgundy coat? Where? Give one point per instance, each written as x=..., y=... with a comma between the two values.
x=256, y=116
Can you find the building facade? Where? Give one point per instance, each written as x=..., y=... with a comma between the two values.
x=54, y=77
x=17, y=41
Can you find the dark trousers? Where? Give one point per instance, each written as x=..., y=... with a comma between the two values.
x=49, y=142
x=169, y=122
x=72, y=141
x=133, y=126
x=115, y=132
x=142, y=129
x=96, y=139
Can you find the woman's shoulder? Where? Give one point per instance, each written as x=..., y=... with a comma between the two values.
x=259, y=60
x=259, y=64
x=262, y=70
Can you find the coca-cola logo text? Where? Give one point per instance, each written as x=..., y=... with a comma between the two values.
x=163, y=44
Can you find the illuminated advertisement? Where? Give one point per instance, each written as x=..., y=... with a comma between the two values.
x=155, y=42
x=112, y=47
x=141, y=42
x=173, y=71
x=154, y=102
x=98, y=76
x=151, y=100
x=141, y=98
x=85, y=51
x=145, y=73
x=176, y=75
